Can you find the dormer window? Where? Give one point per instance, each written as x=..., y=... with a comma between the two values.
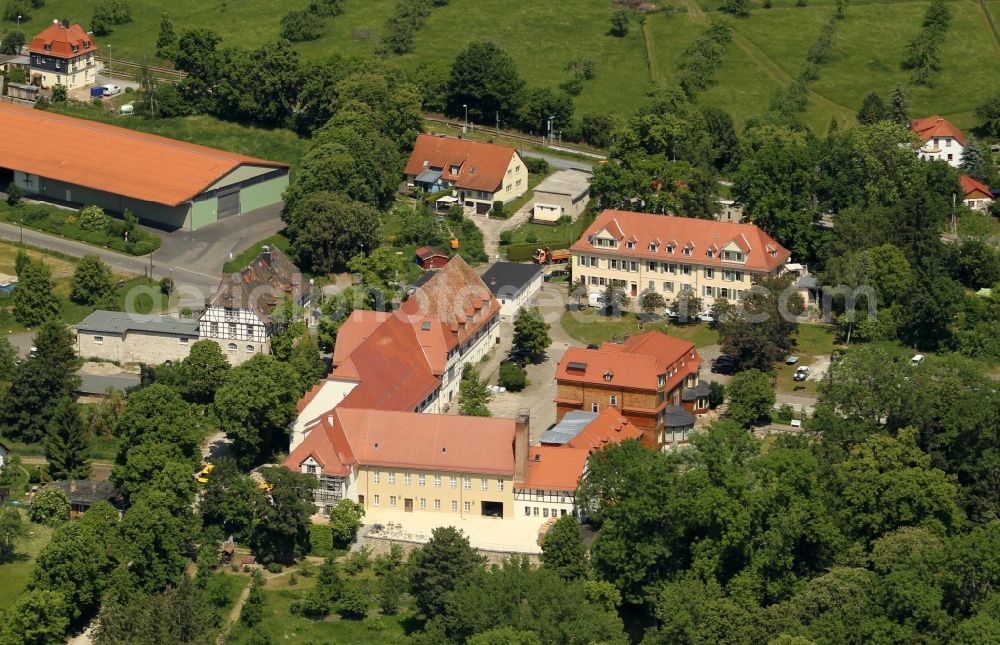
x=670, y=249
x=608, y=376
x=652, y=246
x=453, y=170
x=76, y=48
x=687, y=250
x=711, y=253
x=86, y=44
x=48, y=47
x=630, y=244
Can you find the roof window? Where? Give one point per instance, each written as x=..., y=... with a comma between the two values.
x=581, y=367
x=608, y=375
x=426, y=325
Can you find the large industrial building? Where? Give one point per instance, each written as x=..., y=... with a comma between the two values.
x=167, y=183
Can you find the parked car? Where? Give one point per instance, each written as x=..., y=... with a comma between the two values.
x=791, y=360
x=725, y=368
x=111, y=89
x=596, y=300
x=917, y=360
x=801, y=373
x=706, y=317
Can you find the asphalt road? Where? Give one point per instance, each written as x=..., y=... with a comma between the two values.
x=560, y=163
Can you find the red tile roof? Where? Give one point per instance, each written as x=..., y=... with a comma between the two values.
x=609, y=427
x=970, y=186
x=320, y=444
x=112, y=159
x=359, y=326
x=701, y=234
x=936, y=126
x=428, y=252
x=57, y=40
x=554, y=468
x=262, y=284
x=482, y=166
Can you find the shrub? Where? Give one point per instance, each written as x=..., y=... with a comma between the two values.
x=497, y=210
x=536, y=166
x=374, y=624
x=513, y=376
x=354, y=602
x=345, y=518
x=531, y=238
x=506, y=237
x=572, y=86
x=59, y=94
x=301, y=26
x=92, y=218
x=358, y=561
x=275, y=567
x=14, y=194
x=50, y=506
x=312, y=605
x=619, y=22
x=321, y=539
x=166, y=286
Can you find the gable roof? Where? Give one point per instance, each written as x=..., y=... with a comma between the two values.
x=936, y=126
x=333, y=459
x=608, y=427
x=427, y=252
x=59, y=39
x=554, y=468
x=112, y=159
x=970, y=185
x=636, y=363
x=359, y=326
x=482, y=166
x=509, y=277
x=687, y=231
x=456, y=297
x=261, y=285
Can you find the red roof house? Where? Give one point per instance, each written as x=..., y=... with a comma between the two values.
x=429, y=257
x=63, y=41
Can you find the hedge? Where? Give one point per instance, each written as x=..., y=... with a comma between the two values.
x=321, y=540
x=66, y=223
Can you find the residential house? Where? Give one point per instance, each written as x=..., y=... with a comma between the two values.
x=651, y=379
x=409, y=360
x=429, y=257
x=477, y=173
x=406, y=461
x=942, y=141
x=240, y=315
x=84, y=493
x=134, y=338
x=975, y=194
x=4, y=453
x=640, y=251
x=515, y=285
x=562, y=193
x=63, y=54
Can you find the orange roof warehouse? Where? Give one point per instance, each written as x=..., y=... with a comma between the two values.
x=168, y=183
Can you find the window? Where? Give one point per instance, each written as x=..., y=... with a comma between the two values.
x=593, y=261
x=311, y=470
x=535, y=509
x=670, y=248
x=421, y=480
x=613, y=263
x=375, y=500
x=630, y=244
x=392, y=500
x=499, y=484
x=668, y=287
x=509, y=170
x=232, y=330
x=709, y=273
x=687, y=250
x=454, y=506
x=437, y=481
x=406, y=479
x=249, y=331
x=518, y=183
x=593, y=407
x=231, y=347
x=635, y=266
x=250, y=348
x=662, y=380
x=545, y=512
x=376, y=477
x=708, y=291
x=527, y=510
x=686, y=269
x=467, y=483
x=711, y=253
x=508, y=188
x=453, y=170
x=651, y=266
x=614, y=399
x=467, y=506
x=437, y=505
x=214, y=329
x=423, y=503
x=483, y=484
x=454, y=482
x=392, y=478
x=184, y=341
x=99, y=340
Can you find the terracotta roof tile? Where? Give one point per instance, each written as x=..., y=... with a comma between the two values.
x=452, y=296
x=936, y=126
x=261, y=285
x=636, y=364
x=696, y=233
x=554, y=468
x=609, y=427
x=319, y=444
x=970, y=185
x=359, y=326
x=112, y=159
x=482, y=166
x=57, y=40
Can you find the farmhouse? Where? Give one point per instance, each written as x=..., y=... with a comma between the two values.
x=63, y=54
x=133, y=338
x=477, y=173
x=942, y=140
x=164, y=182
x=562, y=193
x=515, y=285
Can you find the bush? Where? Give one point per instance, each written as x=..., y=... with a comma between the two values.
x=166, y=286
x=354, y=602
x=59, y=94
x=498, y=210
x=312, y=605
x=301, y=26
x=321, y=539
x=531, y=238
x=358, y=561
x=536, y=166
x=275, y=567
x=619, y=22
x=374, y=624
x=92, y=218
x=513, y=376
x=14, y=194
x=345, y=518
x=573, y=86
x=506, y=237
x=50, y=506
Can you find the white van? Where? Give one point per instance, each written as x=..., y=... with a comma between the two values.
x=917, y=360
x=596, y=300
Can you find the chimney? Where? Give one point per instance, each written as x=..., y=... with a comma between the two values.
x=522, y=422
x=265, y=254
x=72, y=485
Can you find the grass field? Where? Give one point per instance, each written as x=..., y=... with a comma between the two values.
x=17, y=574
x=768, y=49
x=588, y=326
x=811, y=341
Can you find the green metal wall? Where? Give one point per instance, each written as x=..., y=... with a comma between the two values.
x=263, y=194
x=240, y=174
x=203, y=212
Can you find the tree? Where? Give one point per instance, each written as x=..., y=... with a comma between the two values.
x=253, y=607
x=65, y=445
x=255, y=405
x=17, y=8
x=759, y=331
x=158, y=414
x=37, y=618
x=614, y=299
x=153, y=542
x=49, y=506
x=12, y=531
x=92, y=283
x=345, y=518
x=14, y=194
x=899, y=107
x=619, y=22
x=282, y=530
x=563, y=550
x=872, y=110
x=8, y=362
x=259, y=86
x=531, y=333
x=473, y=397
x=989, y=116
x=722, y=133
x=483, y=77
x=354, y=602
x=390, y=589
x=34, y=298
x=306, y=361
x=231, y=501
x=687, y=305
x=976, y=163
x=737, y=7
x=512, y=376
x=439, y=566
x=205, y=369
x=75, y=564
x=301, y=26
x=166, y=40
x=539, y=105
x=716, y=394
x=327, y=229
x=652, y=301
x=751, y=397
x=12, y=42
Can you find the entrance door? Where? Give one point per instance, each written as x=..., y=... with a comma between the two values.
x=408, y=505
x=229, y=203
x=361, y=500
x=635, y=290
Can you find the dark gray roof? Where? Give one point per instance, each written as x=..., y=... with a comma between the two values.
x=510, y=277
x=423, y=278
x=692, y=393
x=428, y=176
x=117, y=322
x=677, y=417
x=85, y=491
x=571, y=182
x=571, y=425
x=100, y=383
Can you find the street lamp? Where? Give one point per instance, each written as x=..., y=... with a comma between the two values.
x=18, y=25
x=551, y=119
x=466, y=106
x=109, y=63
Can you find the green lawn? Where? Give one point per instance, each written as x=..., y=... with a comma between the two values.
x=280, y=625
x=811, y=341
x=98, y=449
x=552, y=233
x=17, y=574
x=588, y=326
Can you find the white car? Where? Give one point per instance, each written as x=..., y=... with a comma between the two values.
x=801, y=373
x=111, y=89
x=706, y=317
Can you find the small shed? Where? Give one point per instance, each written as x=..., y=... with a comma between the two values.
x=429, y=257
x=23, y=91
x=4, y=454
x=227, y=552
x=565, y=192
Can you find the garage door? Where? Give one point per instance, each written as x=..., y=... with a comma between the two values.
x=229, y=203
x=482, y=208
